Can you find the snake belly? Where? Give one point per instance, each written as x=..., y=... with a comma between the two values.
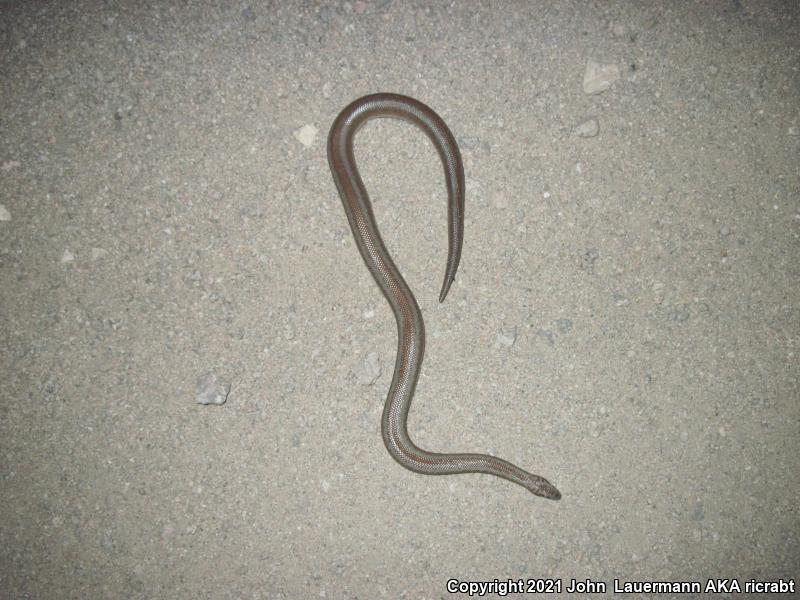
x=410, y=326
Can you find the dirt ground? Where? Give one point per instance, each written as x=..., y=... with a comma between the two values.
x=625, y=321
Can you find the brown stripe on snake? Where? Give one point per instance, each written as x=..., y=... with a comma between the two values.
x=411, y=330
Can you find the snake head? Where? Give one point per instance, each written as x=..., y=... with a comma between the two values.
x=541, y=487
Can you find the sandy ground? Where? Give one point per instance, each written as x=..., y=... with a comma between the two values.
x=626, y=320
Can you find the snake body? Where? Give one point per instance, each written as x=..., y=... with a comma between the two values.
x=411, y=330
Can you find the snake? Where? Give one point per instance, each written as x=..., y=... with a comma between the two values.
x=410, y=326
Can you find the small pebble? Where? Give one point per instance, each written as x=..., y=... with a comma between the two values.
x=620, y=300
x=369, y=370
x=589, y=128
x=67, y=257
x=598, y=78
x=793, y=130
x=506, y=337
x=724, y=231
x=107, y=541
x=210, y=389
x=4, y=214
x=98, y=253
x=306, y=135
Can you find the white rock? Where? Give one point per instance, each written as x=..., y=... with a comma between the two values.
x=306, y=135
x=210, y=389
x=598, y=78
x=589, y=128
x=4, y=214
x=506, y=337
x=98, y=253
x=67, y=257
x=369, y=370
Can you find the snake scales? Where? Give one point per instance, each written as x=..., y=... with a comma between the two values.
x=411, y=330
